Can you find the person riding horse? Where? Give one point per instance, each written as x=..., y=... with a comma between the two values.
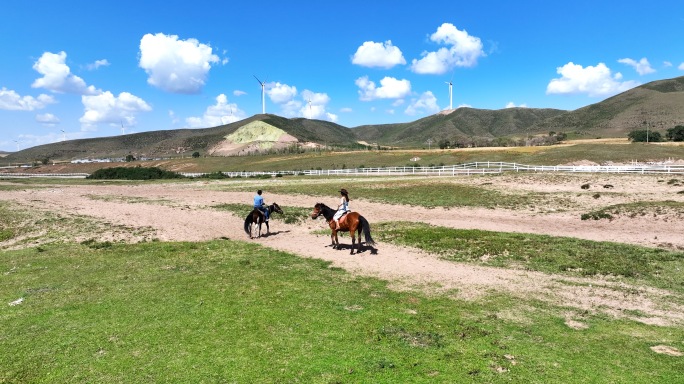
x=261, y=205
x=342, y=208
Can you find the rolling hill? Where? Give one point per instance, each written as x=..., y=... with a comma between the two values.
x=656, y=105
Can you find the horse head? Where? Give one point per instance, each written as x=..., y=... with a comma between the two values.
x=276, y=208
x=318, y=210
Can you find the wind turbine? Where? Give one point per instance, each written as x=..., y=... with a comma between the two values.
x=16, y=141
x=63, y=135
x=123, y=130
x=309, y=108
x=263, y=95
x=451, y=105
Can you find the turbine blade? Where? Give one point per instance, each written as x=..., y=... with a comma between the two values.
x=257, y=79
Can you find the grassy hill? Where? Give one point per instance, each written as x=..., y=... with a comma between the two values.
x=178, y=142
x=656, y=105
x=468, y=122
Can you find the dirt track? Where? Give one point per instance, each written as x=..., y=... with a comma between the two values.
x=182, y=212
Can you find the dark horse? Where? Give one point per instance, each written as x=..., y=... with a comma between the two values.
x=352, y=222
x=256, y=218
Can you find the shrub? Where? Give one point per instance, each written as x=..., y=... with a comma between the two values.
x=137, y=173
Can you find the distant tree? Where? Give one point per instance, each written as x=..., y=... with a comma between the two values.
x=560, y=136
x=676, y=133
x=443, y=143
x=130, y=158
x=195, y=154
x=642, y=136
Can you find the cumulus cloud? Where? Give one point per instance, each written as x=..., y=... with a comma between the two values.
x=12, y=101
x=593, y=81
x=57, y=76
x=643, y=67
x=382, y=55
x=511, y=104
x=97, y=64
x=463, y=50
x=176, y=66
x=425, y=104
x=107, y=108
x=390, y=88
x=47, y=119
x=316, y=108
x=220, y=113
x=280, y=93
x=681, y=67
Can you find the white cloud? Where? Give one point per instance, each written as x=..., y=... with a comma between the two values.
x=317, y=108
x=594, y=81
x=390, y=88
x=47, y=119
x=346, y=110
x=427, y=104
x=57, y=76
x=280, y=93
x=511, y=104
x=174, y=119
x=218, y=114
x=464, y=50
x=173, y=65
x=398, y=102
x=681, y=67
x=643, y=67
x=107, y=108
x=97, y=64
x=667, y=64
x=237, y=92
x=12, y=101
x=382, y=55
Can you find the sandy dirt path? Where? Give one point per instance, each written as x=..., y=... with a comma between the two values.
x=182, y=212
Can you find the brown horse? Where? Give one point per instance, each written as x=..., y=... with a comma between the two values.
x=256, y=218
x=352, y=222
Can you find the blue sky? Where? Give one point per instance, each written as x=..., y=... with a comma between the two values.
x=79, y=69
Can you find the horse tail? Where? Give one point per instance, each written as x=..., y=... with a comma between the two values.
x=366, y=230
x=248, y=221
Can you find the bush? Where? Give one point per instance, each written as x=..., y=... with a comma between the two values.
x=195, y=155
x=643, y=135
x=676, y=133
x=137, y=173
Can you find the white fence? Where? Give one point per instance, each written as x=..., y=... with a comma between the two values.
x=477, y=168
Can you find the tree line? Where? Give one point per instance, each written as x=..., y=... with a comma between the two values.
x=646, y=135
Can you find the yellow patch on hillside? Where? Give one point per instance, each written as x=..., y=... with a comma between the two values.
x=259, y=131
x=254, y=137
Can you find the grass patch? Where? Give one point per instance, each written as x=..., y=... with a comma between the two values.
x=291, y=215
x=566, y=255
x=641, y=208
x=430, y=193
x=226, y=311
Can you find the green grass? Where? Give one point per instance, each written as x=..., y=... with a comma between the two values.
x=656, y=267
x=291, y=215
x=430, y=193
x=640, y=208
x=227, y=311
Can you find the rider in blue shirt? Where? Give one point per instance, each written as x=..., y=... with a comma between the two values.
x=260, y=205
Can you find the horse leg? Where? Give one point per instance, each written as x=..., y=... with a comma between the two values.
x=333, y=233
x=268, y=230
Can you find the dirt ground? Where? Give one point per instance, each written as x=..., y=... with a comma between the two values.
x=182, y=212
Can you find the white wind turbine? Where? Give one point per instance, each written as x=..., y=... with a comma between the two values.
x=451, y=99
x=263, y=95
x=63, y=135
x=123, y=130
x=309, y=108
